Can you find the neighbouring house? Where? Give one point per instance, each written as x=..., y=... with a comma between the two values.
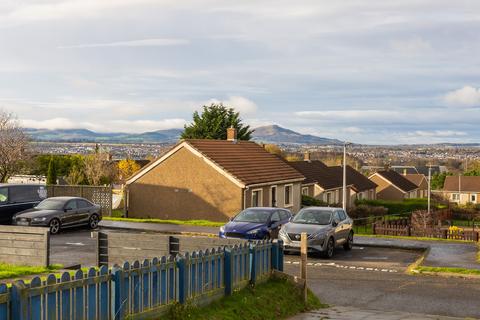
x=321, y=182
x=421, y=182
x=212, y=179
x=434, y=169
x=462, y=189
x=393, y=186
x=362, y=187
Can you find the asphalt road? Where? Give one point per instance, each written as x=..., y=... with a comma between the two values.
x=72, y=247
x=374, y=278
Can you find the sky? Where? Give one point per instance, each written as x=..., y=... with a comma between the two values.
x=372, y=71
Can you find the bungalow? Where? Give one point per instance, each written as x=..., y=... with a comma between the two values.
x=212, y=179
x=393, y=186
x=421, y=182
x=462, y=189
x=362, y=187
x=322, y=182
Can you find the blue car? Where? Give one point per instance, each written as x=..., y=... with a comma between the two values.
x=256, y=223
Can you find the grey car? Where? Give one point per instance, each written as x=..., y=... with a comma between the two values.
x=60, y=212
x=326, y=228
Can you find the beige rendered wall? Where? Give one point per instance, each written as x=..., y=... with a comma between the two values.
x=386, y=191
x=183, y=187
x=464, y=197
x=266, y=196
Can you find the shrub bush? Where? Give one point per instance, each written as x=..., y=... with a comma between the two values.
x=396, y=207
x=308, y=201
x=365, y=211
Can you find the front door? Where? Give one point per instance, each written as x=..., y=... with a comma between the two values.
x=273, y=196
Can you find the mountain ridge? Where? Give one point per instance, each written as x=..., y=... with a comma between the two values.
x=265, y=134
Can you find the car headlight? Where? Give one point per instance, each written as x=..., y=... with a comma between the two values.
x=39, y=219
x=254, y=231
x=319, y=235
x=222, y=229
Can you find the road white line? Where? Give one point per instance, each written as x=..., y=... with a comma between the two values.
x=75, y=243
x=339, y=266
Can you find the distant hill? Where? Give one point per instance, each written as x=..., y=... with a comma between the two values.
x=268, y=134
x=277, y=134
x=83, y=135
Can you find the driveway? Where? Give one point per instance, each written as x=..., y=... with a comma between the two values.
x=374, y=279
x=72, y=247
x=441, y=253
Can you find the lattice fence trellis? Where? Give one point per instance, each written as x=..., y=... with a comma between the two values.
x=101, y=195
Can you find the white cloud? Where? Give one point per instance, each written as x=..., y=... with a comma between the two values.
x=133, y=43
x=411, y=46
x=240, y=104
x=54, y=123
x=129, y=126
x=347, y=114
x=438, y=133
x=353, y=130
x=465, y=97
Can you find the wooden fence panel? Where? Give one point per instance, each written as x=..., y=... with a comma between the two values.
x=24, y=245
x=138, y=289
x=101, y=195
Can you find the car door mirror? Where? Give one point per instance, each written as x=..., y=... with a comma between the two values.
x=335, y=223
x=67, y=209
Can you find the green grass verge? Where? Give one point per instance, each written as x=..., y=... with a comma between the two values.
x=202, y=223
x=411, y=238
x=275, y=299
x=8, y=271
x=448, y=270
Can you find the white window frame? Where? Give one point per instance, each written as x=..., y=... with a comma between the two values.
x=260, y=198
x=290, y=204
x=303, y=189
x=276, y=196
x=328, y=197
x=455, y=196
x=473, y=198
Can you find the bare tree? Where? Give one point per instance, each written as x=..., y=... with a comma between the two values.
x=98, y=168
x=13, y=143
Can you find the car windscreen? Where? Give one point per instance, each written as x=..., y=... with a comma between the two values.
x=313, y=216
x=253, y=215
x=51, y=204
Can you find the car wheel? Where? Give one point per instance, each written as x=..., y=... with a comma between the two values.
x=54, y=226
x=349, y=244
x=330, y=249
x=93, y=221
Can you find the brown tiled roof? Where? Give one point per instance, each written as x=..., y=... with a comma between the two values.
x=317, y=172
x=355, y=178
x=246, y=160
x=466, y=183
x=398, y=180
x=415, y=178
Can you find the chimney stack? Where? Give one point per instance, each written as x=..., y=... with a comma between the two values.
x=232, y=134
x=306, y=156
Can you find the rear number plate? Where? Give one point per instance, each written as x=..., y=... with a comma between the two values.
x=22, y=223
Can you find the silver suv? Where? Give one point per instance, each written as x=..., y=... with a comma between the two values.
x=326, y=228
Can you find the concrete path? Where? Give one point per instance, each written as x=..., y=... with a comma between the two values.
x=351, y=313
x=157, y=227
x=441, y=254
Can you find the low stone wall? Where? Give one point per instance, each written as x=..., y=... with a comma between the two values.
x=24, y=245
x=118, y=247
